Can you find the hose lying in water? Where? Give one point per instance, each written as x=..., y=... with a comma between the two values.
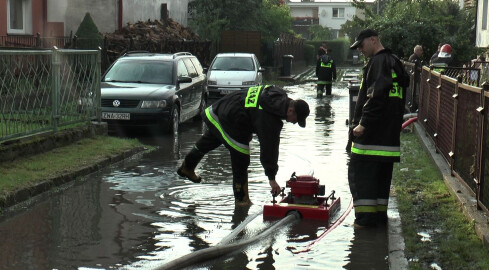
x=238, y=229
x=212, y=252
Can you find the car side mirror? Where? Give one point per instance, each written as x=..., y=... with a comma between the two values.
x=205, y=70
x=184, y=79
x=261, y=69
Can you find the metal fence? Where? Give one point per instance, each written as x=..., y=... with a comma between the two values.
x=112, y=48
x=454, y=115
x=41, y=90
x=35, y=42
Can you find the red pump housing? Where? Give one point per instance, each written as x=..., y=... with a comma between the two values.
x=305, y=197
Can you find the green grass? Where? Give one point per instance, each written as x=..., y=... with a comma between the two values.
x=426, y=206
x=27, y=172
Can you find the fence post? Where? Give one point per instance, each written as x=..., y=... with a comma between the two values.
x=38, y=40
x=451, y=154
x=480, y=182
x=55, y=63
x=437, y=116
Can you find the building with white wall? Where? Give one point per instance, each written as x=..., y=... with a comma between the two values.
x=327, y=13
x=56, y=18
x=482, y=24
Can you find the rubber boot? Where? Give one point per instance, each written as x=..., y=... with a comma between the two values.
x=241, y=195
x=319, y=94
x=187, y=169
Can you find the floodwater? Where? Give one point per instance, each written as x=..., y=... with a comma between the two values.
x=140, y=215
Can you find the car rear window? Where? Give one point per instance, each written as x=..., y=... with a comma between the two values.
x=153, y=72
x=197, y=65
x=233, y=63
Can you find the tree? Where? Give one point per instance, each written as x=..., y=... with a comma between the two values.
x=211, y=17
x=319, y=33
x=274, y=18
x=404, y=24
x=88, y=35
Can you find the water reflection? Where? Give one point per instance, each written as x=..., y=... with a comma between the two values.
x=140, y=214
x=364, y=242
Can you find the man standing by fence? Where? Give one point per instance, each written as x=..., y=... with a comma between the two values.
x=377, y=124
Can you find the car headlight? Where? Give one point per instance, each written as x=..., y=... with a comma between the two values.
x=151, y=104
x=249, y=83
x=211, y=82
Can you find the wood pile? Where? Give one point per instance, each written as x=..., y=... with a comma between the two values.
x=154, y=36
x=154, y=30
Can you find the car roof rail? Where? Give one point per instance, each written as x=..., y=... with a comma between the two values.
x=180, y=54
x=135, y=52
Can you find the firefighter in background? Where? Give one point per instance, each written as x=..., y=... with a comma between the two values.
x=326, y=74
x=376, y=130
x=444, y=58
x=231, y=122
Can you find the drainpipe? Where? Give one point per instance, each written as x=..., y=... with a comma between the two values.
x=44, y=16
x=120, y=15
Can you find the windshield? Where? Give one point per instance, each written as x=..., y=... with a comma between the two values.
x=233, y=63
x=155, y=72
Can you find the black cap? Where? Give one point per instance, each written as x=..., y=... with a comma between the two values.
x=366, y=33
x=302, y=110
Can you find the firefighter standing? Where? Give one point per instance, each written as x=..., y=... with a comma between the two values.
x=444, y=58
x=233, y=119
x=326, y=74
x=377, y=124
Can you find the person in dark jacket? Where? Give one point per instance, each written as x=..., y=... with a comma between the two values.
x=233, y=120
x=376, y=129
x=326, y=74
x=416, y=56
x=323, y=49
x=434, y=57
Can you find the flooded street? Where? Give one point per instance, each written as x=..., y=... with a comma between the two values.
x=140, y=215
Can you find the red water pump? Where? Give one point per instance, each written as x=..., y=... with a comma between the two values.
x=307, y=197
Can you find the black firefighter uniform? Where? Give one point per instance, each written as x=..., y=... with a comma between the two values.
x=380, y=109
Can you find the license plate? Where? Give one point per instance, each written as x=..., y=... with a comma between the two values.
x=116, y=116
x=225, y=92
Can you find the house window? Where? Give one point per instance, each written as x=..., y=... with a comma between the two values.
x=484, y=15
x=19, y=16
x=338, y=12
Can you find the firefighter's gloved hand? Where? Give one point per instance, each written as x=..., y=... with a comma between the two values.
x=275, y=187
x=358, y=131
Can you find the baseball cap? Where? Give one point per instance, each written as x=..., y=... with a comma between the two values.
x=366, y=33
x=302, y=110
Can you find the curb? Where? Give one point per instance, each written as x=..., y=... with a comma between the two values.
x=463, y=195
x=29, y=192
x=397, y=259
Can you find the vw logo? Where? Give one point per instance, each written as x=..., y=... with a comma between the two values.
x=116, y=103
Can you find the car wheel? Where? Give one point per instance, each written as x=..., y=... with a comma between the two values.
x=175, y=121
